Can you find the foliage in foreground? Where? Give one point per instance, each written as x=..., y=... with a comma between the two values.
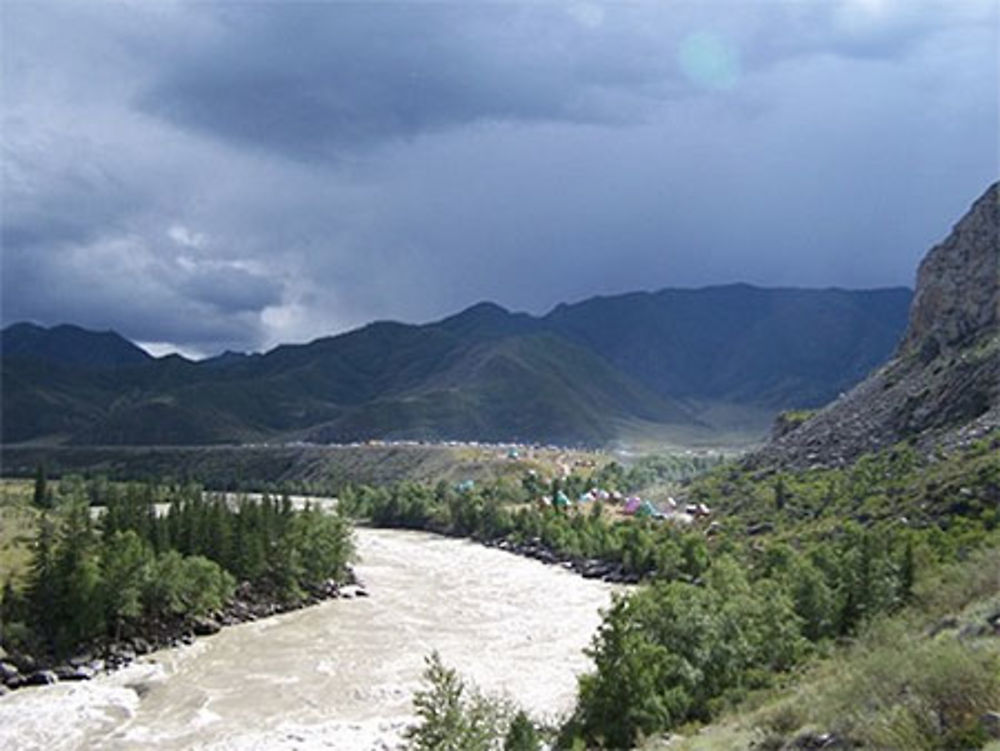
x=678, y=651
x=798, y=563
x=913, y=693
x=456, y=717
x=922, y=680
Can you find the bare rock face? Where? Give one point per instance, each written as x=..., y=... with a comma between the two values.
x=943, y=385
x=958, y=283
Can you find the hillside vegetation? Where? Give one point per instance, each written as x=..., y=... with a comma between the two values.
x=686, y=364
x=311, y=470
x=853, y=607
x=848, y=596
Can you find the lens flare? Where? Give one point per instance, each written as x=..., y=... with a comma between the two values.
x=709, y=61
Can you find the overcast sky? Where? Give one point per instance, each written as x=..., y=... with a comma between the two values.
x=233, y=175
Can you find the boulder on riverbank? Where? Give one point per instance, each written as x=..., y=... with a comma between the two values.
x=589, y=568
x=40, y=678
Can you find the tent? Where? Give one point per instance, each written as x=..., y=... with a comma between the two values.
x=647, y=509
x=632, y=505
x=562, y=500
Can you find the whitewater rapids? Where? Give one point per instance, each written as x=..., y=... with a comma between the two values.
x=339, y=675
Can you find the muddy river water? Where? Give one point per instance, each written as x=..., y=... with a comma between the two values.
x=339, y=675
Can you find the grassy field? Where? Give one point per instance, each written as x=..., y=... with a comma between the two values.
x=307, y=469
x=17, y=527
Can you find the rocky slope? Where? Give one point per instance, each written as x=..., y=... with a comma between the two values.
x=943, y=384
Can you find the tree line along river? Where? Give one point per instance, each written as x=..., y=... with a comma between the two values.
x=341, y=674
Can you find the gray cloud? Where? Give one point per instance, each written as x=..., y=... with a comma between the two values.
x=320, y=80
x=237, y=175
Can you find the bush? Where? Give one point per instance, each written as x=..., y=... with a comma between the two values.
x=456, y=717
x=902, y=691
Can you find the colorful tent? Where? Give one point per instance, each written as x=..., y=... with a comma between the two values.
x=632, y=505
x=647, y=509
x=561, y=500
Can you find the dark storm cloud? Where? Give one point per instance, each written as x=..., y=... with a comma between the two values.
x=235, y=175
x=314, y=80
x=230, y=290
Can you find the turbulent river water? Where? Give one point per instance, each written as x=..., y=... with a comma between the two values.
x=339, y=675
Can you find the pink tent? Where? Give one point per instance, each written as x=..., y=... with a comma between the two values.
x=632, y=504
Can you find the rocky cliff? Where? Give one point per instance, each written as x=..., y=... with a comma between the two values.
x=943, y=384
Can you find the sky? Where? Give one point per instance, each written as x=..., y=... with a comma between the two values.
x=211, y=176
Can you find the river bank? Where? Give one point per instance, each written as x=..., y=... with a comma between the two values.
x=611, y=572
x=338, y=677
x=21, y=670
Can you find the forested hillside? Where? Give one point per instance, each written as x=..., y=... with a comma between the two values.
x=677, y=362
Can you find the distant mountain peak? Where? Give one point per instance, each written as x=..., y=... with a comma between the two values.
x=591, y=372
x=68, y=344
x=487, y=319
x=485, y=307
x=481, y=311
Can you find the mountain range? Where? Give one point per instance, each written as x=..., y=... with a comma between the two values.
x=698, y=361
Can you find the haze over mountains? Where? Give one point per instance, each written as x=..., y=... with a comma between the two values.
x=942, y=385
x=700, y=362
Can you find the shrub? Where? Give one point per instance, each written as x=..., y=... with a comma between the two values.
x=910, y=692
x=454, y=717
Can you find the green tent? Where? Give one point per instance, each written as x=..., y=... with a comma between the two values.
x=646, y=510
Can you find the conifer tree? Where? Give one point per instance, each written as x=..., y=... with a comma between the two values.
x=42, y=497
x=42, y=589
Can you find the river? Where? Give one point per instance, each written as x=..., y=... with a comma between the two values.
x=339, y=675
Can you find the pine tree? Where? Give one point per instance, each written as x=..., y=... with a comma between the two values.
x=78, y=610
x=42, y=590
x=521, y=735
x=126, y=567
x=42, y=498
x=9, y=607
x=907, y=571
x=780, y=494
x=439, y=708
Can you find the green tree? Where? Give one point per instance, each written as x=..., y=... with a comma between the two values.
x=814, y=601
x=42, y=589
x=640, y=686
x=780, y=494
x=126, y=566
x=78, y=613
x=205, y=586
x=452, y=718
x=8, y=606
x=163, y=594
x=521, y=735
x=907, y=570
x=41, y=498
